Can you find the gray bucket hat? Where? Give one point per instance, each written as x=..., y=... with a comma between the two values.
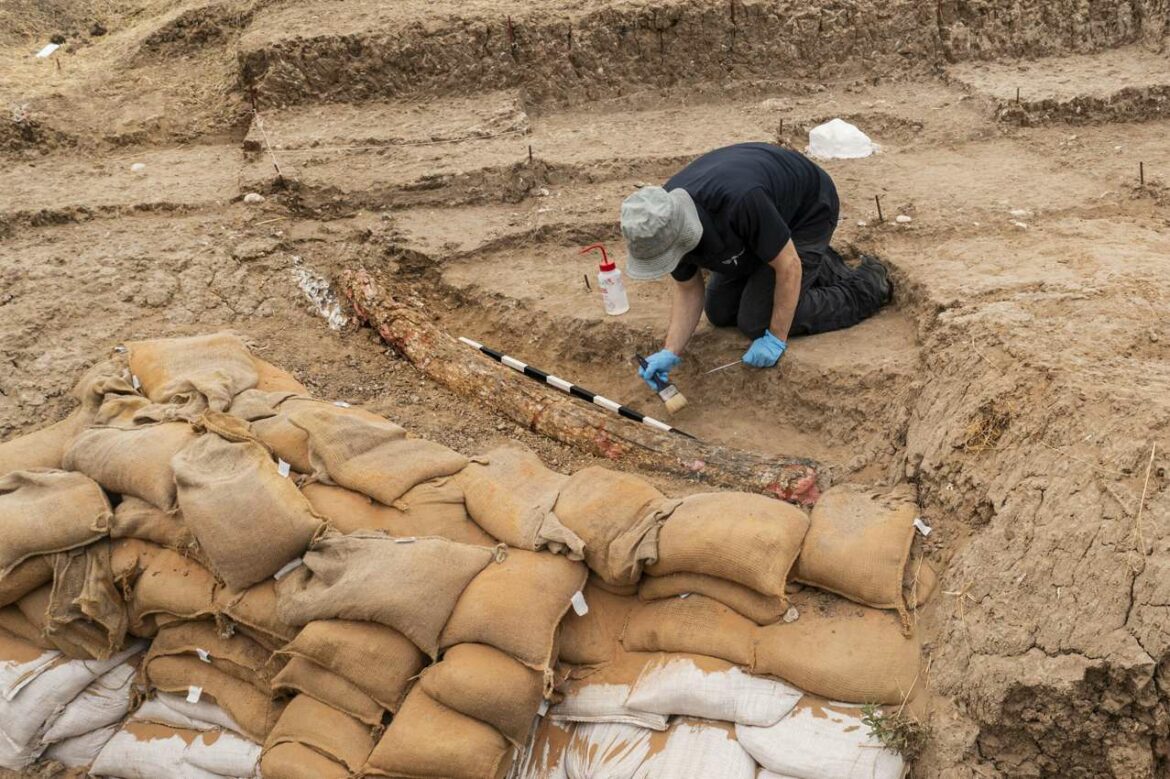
x=659, y=228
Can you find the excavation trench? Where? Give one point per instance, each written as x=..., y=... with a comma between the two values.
x=982, y=435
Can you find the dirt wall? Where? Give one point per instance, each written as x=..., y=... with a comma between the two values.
x=611, y=49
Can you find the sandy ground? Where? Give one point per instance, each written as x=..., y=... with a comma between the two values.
x=1020, y=381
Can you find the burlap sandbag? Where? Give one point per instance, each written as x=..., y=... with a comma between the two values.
x=253, y=710
x=426, y=739
x=511, y=495
x=132, y=461
x=599, y=694
x=759, y=608
x=254, y=611
x=372, y=458
x=249, y=520
x=304, y=677
x=617, y=516
x=841, y=651
x=409, y=585
x=858, y=544
x=517, y=605
x=749, y=539
x=25, y=577
x=694, y=624
x=628, y=590
x=331, y=732
x=270, y=415
x=486, y=684
x=129, y=557
x=236, y=655
x=45, y=448
x=920, y=583
x=48, y=511
x=15, y=624
x=85, y=608
x=135, y=518
x=593, y=638
x=193, y=374
x=379, y=661
x=290, y=760
x=77, y=640
x=169, y=584
x=433, y=508
x=270, y=378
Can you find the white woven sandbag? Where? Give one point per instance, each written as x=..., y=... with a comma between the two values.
x=606, y=703
x=544, y=755
x=820, y=740
x=31, y=709
x=175, y=710
x=153, y=751
x=80, y=751
x=696, y=686
x=606, y=750
x=22, y=668
x=104, y=702
x=696, y=748
x=225, y=754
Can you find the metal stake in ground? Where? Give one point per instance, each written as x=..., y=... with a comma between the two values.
x=572, y=389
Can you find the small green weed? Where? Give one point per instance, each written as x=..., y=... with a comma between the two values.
x=899, y=732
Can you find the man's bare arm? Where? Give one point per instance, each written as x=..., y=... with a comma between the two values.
x=788, y=275
x=686, y=306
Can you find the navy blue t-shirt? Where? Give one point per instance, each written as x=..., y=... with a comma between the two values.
x=752, y=198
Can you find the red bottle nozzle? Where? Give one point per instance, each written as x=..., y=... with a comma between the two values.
x=606, y=263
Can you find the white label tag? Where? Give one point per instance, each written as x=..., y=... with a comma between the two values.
x=134, y=382
x=684, y=595
x=204, y=655
x=923, y=528
x=543, y=708
x=119, y=349
x=288, y=568
x=405, y=540
x=579, y=604
x=341, y=404
x=194, y=694
x=282, y=467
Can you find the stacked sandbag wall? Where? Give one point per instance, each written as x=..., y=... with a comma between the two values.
x=216, y=574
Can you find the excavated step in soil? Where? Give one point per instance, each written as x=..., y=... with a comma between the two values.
x=333, y=51
x=1129, y=84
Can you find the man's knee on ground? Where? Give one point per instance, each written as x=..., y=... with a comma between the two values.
x=753, y=323
x=720, y=313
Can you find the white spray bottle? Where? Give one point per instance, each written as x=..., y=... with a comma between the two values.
x=609, y=281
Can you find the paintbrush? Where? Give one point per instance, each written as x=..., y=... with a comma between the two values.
x=675, y=401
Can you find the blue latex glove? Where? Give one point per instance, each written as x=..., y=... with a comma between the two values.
x=656, y=374
x=765, y=351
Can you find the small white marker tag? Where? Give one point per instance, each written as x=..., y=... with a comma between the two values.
x=120, y=349
x=204, y=655
x=543, y=708
x=134, y=382
x=282, y=467
x=341, y=404
x=684, y=595
x=405, y=540
x=194, y=693
x=288, y=568
x=579, y=604
x=923, y=528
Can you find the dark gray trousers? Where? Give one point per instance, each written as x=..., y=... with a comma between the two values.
x=832, y=295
